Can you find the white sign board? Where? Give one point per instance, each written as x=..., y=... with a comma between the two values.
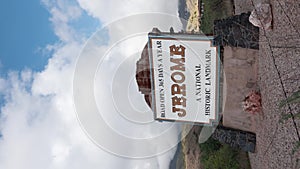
x=185, y=78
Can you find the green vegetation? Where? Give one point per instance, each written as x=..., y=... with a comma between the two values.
x=293, y=99
x=209, y=147
x=287, y=116
x=296, y=147
x=217, y=156
x=213, y=10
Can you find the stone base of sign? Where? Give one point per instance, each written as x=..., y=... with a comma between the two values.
x=241, y=75
x=236, y=31
x=242, y=140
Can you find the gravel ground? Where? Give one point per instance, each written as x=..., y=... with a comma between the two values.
x=279, y=77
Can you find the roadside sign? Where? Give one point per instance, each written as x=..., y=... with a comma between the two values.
x=185, y=78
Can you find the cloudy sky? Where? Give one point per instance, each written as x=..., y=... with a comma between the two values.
x=56, y=56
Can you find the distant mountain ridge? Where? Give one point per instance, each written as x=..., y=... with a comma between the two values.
x=189, y=14
x=183, y=12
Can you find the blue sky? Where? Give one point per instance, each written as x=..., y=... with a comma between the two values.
x=25, y=28
x=25, y=32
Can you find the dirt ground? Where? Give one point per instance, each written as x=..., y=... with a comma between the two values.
x=191, y=149
x=279, y=77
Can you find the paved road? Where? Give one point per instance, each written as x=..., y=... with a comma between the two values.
x=279, y=77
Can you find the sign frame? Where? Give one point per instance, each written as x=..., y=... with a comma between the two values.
x=218, y=75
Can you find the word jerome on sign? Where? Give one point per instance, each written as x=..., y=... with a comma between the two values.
x=177, y=56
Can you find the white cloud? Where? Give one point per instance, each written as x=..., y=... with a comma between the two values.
x=38, y=122
x=108, y=11
x=2, y=85
x=62, y=13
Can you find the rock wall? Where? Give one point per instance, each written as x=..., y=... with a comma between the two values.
x=236, y=31
x=242, y=140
